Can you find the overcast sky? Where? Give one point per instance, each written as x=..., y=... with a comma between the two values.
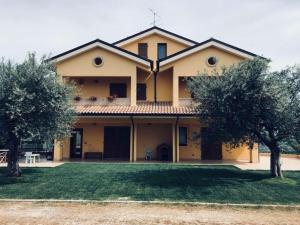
x=270, y=28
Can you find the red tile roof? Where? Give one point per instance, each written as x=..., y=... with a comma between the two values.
x=144, y=108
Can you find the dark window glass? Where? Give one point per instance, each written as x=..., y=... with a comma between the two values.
x=183, y=136
x=212, y=61
x=98, y=61
x=141, y=92
x=118, y=90
x=143, y=50
x=161, y=50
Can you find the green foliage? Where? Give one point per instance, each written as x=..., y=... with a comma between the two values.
x=247, y=103
x=34, y=102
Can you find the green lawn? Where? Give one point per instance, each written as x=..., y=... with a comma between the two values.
x=169, y=182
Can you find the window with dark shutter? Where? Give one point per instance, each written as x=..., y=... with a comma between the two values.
x=143, y=50
x=141, y=92
x=118, y=90
x=182, y=136
x=161, y=50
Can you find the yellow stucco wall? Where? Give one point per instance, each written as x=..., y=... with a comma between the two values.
x=145, y=77
x=82, y=65
x=192, y=64
x=150, y=136
x=239, y=153
x=183, y=90
x=152, y=41
x=192, y=150
x=164, y=85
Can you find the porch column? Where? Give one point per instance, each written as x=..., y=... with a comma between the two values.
x=131, y=142
x=175, y=90
x=177, y=143
x=135, y=142
x=57, y=154
x=133, y=90
x=174, y=143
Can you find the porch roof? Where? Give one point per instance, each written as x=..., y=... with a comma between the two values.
x=142, y=108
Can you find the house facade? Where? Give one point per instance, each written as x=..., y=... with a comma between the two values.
x=133, y=103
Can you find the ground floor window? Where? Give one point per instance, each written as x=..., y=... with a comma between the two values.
x=182, y=136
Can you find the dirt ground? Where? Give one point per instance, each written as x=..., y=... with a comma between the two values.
x=116, y=213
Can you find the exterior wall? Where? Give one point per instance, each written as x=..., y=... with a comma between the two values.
x=153, y=40
x=99, y=87
x=194, y=64
x=164, y=85
x=149, y=136
x=183, y=90
x=147, y=78
x=240, y=153
x=82, y=65
x=192, y=150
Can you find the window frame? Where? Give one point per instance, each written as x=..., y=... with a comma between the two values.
x=166, y=50
x=118, y=84
x=146, y=49
x=186, y=136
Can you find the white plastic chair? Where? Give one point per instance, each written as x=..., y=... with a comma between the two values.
x=28, y=157
x=148, y=154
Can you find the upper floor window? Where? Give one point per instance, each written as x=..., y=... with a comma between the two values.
x=143, y=50
x=161, y=50
x=118, y=90
x=141, y=92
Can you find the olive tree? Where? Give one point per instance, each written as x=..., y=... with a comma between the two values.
x=247, y=103
x=34, y=103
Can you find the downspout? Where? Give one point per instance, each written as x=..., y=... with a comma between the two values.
x=155, y=81
x=132, y=147
x=176, y=141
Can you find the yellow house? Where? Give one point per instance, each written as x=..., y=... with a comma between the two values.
x=133, y=103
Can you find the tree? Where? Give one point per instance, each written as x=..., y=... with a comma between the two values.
x=246, y=104
x=34, y=103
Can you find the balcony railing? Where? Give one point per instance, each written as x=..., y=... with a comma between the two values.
x=102, y=101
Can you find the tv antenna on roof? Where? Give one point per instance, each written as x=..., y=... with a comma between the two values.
x=155, y=17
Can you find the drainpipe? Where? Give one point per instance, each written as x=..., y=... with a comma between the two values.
x=155, y=97
x=176, y=130
x=132, y=147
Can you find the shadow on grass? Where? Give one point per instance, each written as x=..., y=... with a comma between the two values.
x=191, y=177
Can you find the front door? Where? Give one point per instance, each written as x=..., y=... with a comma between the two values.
x=210, y=150
x=117, y=142
x=76, y=143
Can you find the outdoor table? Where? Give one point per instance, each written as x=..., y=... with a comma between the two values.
x=34, y=156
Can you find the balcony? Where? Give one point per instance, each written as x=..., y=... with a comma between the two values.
x=102, y=101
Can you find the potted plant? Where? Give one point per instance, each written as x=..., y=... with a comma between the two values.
x=110, y=98
x=77, y=98
x=93, y=98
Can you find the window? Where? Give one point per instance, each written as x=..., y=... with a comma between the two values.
x=161, y=50
x=118, y=90
x=98, y=61
x=141, y=92
x=182, y=136
x=212, y=61
x=143, y=50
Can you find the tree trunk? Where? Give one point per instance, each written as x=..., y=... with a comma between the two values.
x=13, y=168
x=275, y=168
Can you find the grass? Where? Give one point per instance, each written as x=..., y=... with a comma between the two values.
x=166, y=182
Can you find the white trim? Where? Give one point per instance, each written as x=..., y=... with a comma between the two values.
x=156, y=31
x=206, y=45
x=104, y=46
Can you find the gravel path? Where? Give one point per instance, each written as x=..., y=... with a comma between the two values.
x=115, y=213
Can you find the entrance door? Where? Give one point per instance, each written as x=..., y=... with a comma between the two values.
x=76, y=143
x=117, y=142
x=210, y=150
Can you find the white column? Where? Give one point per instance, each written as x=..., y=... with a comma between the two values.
x=175, y=90
x=174, y=143
x=133, y=90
